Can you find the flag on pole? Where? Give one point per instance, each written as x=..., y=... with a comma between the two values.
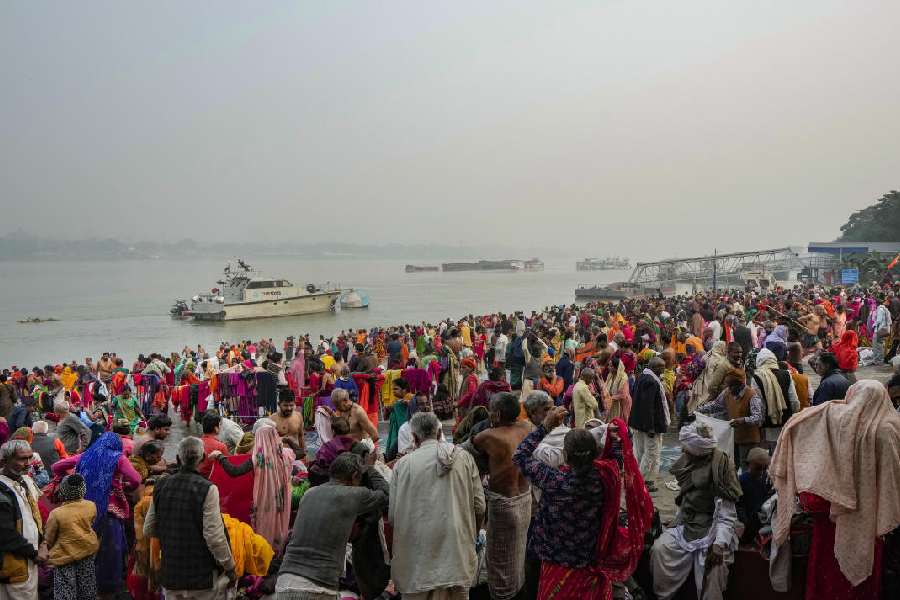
x=894, y=262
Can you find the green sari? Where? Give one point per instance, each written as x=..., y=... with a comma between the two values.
x=126, y=408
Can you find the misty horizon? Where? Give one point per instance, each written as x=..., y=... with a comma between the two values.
x=648, y=130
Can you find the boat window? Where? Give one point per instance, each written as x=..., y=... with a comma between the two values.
x=254, y=285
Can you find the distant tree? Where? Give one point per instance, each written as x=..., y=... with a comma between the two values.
x=877, y=223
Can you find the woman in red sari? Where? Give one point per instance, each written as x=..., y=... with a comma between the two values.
x=582, y=558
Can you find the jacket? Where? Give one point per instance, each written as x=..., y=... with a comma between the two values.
x=187, y=563
x=70, y=535
x=15, y=549
x=318, y=545
x=647, y=412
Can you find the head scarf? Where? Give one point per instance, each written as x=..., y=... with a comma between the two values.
x=98, y=465
x=716, y=355
x=776, y=341
x=766, y=365
x=264, y=422
x=844, y=451
x=696, y=440
x=778, y=335
x=845, y=351
x=72, y=487
x=271, y=487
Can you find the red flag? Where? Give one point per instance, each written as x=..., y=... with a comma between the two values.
x=894, y=262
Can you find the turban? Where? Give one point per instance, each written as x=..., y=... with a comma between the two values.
x=696, y=439
x=735, y=375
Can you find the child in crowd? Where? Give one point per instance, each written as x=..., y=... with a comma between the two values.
x=72, y=542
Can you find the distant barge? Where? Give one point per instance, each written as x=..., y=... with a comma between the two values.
x=418, y=269
x=484, y=265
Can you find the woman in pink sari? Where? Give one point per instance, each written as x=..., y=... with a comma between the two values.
x=271, y=464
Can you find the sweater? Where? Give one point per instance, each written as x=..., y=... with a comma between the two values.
x=70, y=535
x=318, y=546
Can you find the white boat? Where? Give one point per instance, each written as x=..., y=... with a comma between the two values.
x=245, y=294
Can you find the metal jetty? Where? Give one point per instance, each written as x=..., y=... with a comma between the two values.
x=719, y=266
x=758, y=269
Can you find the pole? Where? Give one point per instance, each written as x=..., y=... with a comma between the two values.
x=715, y=274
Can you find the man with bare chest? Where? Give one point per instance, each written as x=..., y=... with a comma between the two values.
x=360, y=426
x=508, y=497
x=289, y=423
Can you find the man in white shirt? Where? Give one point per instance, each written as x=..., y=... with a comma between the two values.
x=437, y=508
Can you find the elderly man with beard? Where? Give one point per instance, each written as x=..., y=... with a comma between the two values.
x=21, y=536
x=436, y=510
x=702, y=538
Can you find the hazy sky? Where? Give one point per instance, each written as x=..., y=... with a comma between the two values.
x=650, y=128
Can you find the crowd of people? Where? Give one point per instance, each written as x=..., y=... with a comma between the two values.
x=500, y=456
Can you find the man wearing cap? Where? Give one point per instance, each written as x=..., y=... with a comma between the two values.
x=742, y=407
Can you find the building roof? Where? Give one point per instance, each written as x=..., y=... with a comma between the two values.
x=854, y=247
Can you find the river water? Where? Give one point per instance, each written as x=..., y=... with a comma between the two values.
x=122, y=306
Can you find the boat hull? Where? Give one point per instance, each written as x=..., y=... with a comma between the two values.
x=416, y=269
x=283, y=307
x=482, y=265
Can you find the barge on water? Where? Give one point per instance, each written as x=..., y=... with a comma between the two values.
x=483, y=265
x=418, y=269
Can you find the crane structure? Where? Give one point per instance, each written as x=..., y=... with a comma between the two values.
x=725, y=267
